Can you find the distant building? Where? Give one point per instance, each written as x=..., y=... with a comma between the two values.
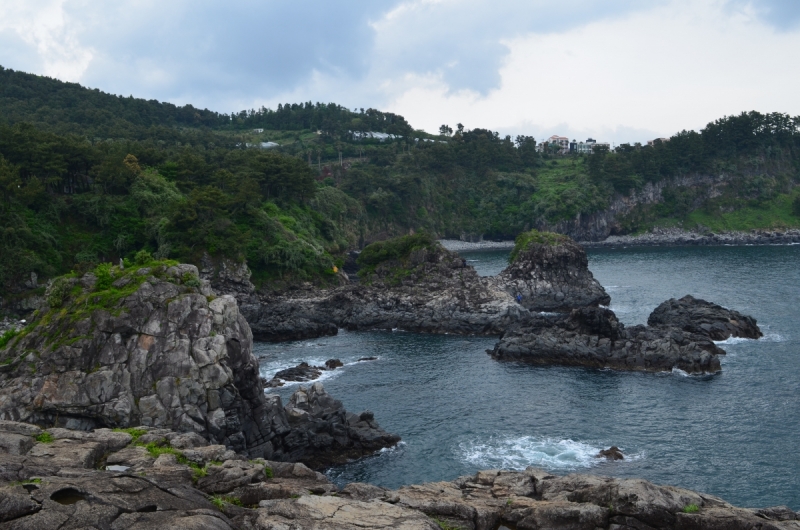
x=264, y=145
x=651, y=143
x=359, y=135
x=258, y=131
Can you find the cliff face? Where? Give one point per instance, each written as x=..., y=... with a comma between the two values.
x=551, y=274
x=599, y=225
x=152, y=346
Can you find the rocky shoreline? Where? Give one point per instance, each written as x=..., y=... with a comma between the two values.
x=661, y=237
x=150, y=478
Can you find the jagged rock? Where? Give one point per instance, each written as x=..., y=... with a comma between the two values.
x=593, y=337
x=612, y=453
x=550, y=272
x=301, y=372
x=324, y=433
x=168, y=354
x=332, y=364
x=704, y=318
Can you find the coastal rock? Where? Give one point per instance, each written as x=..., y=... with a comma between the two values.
x=593, y=337
x=551, y=273
x=612, y=453
x=704, y=318
x=432, y=291
x=175, y=490
x=165, y=354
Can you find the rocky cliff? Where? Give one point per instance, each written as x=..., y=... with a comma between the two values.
x=153, y=346
x=157, y=478
x=550, y=272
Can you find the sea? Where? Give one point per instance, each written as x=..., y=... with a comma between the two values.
x=735, y=434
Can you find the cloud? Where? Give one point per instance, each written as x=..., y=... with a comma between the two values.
x=623, y=70
x=651, y=73
x=782, y=14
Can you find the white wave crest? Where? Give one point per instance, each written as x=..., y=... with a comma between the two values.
x=768, y=337
x=523, y=451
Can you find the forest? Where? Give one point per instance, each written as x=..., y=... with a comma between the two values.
x=88, y=177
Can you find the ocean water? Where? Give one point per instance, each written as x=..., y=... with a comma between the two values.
x=735, y=435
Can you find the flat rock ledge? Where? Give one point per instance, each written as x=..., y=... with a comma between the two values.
x=156, y=478
x=680, y=335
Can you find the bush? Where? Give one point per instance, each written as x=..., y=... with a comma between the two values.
x=142, y=257
x=691, y=508
x=58, y=292
x=103, y=274
x=6, y=337
x=394, y=249
x=44, y=437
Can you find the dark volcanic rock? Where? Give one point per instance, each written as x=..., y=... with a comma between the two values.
x=704, y=318
x=301, y=372
x=324, y=433
x=552, y=275
x=612, y=453
x=593, y=337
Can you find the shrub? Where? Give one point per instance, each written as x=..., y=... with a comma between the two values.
x=103, y=274
x=393, y=249
x=691, y=508
x=44, y=437
x=190, y=280
x=6, y=337
x=142, y=257
x=58, y=292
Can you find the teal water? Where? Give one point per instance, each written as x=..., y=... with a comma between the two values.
x=734, y=435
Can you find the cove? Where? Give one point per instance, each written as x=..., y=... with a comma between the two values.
x=733, y=435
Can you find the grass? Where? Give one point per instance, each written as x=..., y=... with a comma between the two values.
x=444, y=525
x=44, y=437
x=221, y=500
x=6, y=337
x=691, y=508
x=534, y=237
x=134, y=432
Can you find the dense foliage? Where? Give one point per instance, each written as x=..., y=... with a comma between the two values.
x=534, y=237
x=88, y=177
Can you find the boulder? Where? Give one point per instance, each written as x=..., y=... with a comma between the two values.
x=703, y=318
x=612, y=453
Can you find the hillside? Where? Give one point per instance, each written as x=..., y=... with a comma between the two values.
x=88, y=177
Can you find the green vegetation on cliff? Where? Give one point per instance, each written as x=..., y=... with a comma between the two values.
x=534, y=237
x=88, y=177
x=394, y=254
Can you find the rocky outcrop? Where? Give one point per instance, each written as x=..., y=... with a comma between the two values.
x=671, y=236
x=551, y=274
x=435, y=291
x=704, y=318
x=594, y=338
x=153, y=346
x=156, y=478
x=432, y=290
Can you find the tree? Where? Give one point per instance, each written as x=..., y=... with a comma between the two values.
x=445, y=130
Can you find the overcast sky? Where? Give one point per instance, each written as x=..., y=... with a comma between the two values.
x=617, y=70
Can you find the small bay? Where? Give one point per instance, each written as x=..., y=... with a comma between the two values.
x=734, y=434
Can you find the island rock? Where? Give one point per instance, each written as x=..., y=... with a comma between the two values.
x=704, y=318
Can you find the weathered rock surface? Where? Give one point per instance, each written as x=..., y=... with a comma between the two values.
x=434, y=291
x=704, y=318
x=167, y=355
x=303, y=372
x=207, y=486
x=552, y=276
x=593, y=337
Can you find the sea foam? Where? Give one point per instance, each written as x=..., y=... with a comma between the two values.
x=523, y=451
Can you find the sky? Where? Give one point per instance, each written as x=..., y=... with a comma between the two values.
x=617, y=70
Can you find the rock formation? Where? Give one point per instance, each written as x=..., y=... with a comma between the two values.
x=430, y=289
x=153, y=346
x=593, y=337
x=550, y=272
x=704, y=318
x=157, y=478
